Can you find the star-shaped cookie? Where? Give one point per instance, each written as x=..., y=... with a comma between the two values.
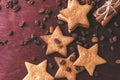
x=89, y=58
x=75, y=14
x=37, y=72
x=57, y=42
x=66, y=67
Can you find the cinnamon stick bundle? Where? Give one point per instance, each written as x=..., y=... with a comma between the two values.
x=101, y=18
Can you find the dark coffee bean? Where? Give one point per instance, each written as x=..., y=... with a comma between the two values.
x=57, y=41
x=116, y=24
x=96, y=27
x=72, y=58
x=51, y=65
x=114, y=38
x=78, y=68
x=80, y=43
x=60, y=22
x=74, y=35
x=22, y=24
x=5, y=42
x=86, y=32
x=112, y=48
x=110, y=30
x=44, y=46
x=83, y=39
x=97, y=0
x=101, y=45
x=48, y=11
x=37, y=42
x=55, y=16
x=63, y=62
x=16, y=8
x=102, y=37
x=23, y=43
x=42, y=25
x=47, y=32
x=45, y=19
x=42, y=10
x=68, y=69
x=34, y=58
x=96, y=74
x=59, y=2
x=1, y=43
x=37, y=22
x=33, y=36
x=47, y=16
x=30, y=2
x=6, y=5
x=66, y=1
x=93, y=3
x=72, y=49
x=86, y=45
x=15, y=1
x=11, y=33
x=111, y=40
x=83, y=33
x=10, y=4
x=26, y=41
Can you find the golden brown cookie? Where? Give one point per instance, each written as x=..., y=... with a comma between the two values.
x=75, y=14
x=89, y=58
x=37, y=72
x=57, y=42
x=66, y=67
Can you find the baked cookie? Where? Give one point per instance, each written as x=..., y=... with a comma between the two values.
x=57, y=42
x=66, y=67
x=75, y=14
x=37, y=72
x=89, y=58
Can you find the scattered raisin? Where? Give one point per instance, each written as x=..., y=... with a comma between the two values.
x=63, y=62
x=72, y=58
x=57, y=41
x=68, y=69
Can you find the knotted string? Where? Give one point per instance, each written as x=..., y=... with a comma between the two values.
x=109, y=5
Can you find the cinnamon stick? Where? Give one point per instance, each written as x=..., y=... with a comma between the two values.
x=111, y=13
x=116, y=7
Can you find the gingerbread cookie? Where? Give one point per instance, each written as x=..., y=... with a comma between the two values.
x=57, y=42
x=89, y=58
x=37, y=72
x=75, y=14
x=66, y=67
